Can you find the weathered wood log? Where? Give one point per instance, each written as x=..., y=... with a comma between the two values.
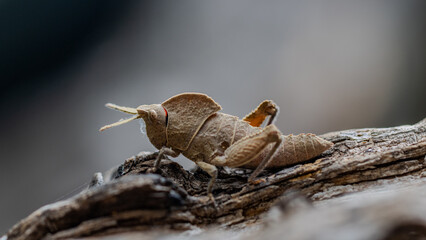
x=131, y=202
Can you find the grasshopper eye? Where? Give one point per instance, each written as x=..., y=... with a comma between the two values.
x=152, y=115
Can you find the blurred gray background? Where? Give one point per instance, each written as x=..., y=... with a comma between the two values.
x=329, y=65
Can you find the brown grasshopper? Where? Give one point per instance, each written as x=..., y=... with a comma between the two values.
x=189, y=123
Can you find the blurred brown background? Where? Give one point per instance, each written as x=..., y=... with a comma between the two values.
x=329, y=65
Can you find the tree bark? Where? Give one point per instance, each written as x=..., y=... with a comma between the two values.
x=367, y=186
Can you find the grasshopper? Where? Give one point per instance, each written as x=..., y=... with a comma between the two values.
x=191, y=124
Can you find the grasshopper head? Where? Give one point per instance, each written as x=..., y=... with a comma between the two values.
x=154, y=116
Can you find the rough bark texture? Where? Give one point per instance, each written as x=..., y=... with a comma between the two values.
x=370, y=185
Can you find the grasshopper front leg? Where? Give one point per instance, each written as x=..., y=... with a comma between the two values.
x=248, y=148
x=164, y=151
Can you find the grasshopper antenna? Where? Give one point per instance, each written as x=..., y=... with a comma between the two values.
x=127, y=110
x=122, y=121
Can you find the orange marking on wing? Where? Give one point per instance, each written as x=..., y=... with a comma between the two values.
x=256, y=121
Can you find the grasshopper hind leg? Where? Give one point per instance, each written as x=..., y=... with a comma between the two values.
x=265, y=161
x=249, y=148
